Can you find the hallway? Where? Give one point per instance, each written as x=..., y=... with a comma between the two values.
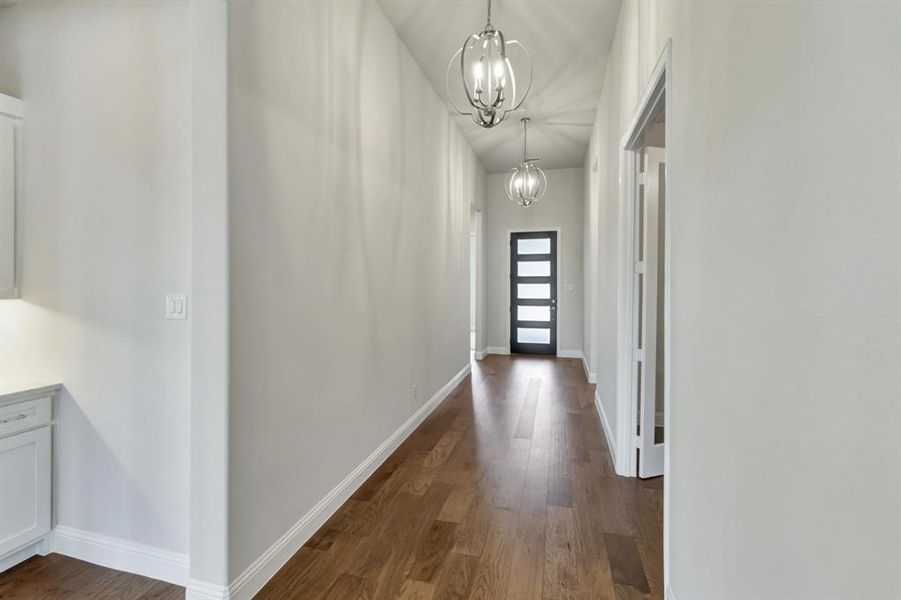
x=506, y=491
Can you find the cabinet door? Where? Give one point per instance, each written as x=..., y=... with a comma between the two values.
x=7, y=208
x=24, y=488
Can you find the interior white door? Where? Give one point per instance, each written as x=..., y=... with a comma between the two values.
x=649, y=358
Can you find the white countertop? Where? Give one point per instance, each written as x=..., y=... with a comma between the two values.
x=12, y=389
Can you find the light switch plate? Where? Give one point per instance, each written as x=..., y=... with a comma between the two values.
x=176, y=306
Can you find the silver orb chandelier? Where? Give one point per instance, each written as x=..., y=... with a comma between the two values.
x=526, y=184
x=487, y=76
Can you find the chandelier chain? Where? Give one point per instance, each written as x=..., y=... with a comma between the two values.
x=489, y=14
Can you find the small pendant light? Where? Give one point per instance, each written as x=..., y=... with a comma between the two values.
x=526, y=184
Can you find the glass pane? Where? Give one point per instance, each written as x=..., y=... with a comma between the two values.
x=638, y=381
x=533, y=313
x=539, y=291
x=639, y=239
x=533, y=336
x=533, y=269
x=533, y=246
x=639, y=343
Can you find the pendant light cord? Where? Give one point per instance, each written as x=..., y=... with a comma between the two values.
x=525, y=139
x=488, y=25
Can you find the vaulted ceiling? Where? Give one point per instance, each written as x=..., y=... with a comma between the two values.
x=569, y=41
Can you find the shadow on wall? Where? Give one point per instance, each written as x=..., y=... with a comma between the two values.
x=116, y=419
x=345, y=221
x=84, y=457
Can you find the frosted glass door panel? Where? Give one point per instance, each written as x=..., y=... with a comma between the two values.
x=526, y=335
x=534, y=291
x=533, y=313
x=534, y=268
x=533, y=246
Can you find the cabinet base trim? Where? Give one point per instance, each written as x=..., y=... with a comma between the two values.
x=201, y=590
x=41, y=546
x=122, y=555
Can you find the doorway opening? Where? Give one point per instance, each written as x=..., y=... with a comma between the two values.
x=533, y=292
x=644, y=340
x=643, y=326
x=473, y=282
x=476, y=286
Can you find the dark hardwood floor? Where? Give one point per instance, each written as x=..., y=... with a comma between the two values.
x=56, y=576
x=506, y=491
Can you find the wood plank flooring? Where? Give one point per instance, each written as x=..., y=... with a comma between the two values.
x=507, y=491
x=57, y=576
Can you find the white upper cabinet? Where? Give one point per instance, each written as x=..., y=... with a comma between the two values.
x=11, y=115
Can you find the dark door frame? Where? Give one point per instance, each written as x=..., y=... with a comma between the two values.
x=529, y=348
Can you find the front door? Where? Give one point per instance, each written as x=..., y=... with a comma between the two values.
x=533, y=292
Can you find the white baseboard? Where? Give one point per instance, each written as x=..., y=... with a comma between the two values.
x=201, y=590
x=670, y=594
x=591, y=377
x=481, y=354
x=120, y=554
x=254, y=577
x=608, y=432
x=503, y=350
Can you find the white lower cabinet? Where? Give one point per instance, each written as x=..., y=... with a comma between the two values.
x=24, y=488
x=25, y=474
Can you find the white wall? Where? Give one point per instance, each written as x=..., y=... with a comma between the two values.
x=209, y=281
x=783, y=179
x=106, y=235
x=350, y=198
x=562, y=207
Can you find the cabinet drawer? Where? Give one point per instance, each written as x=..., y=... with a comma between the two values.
x=25, y=415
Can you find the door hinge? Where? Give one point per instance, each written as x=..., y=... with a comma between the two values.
x=639, y=355
x=641, y=177
x=639, y=266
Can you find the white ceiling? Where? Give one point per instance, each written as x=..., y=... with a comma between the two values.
x=569, y=41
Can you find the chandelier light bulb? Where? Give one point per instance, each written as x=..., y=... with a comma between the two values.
x=487, y=76
x=525, y=184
